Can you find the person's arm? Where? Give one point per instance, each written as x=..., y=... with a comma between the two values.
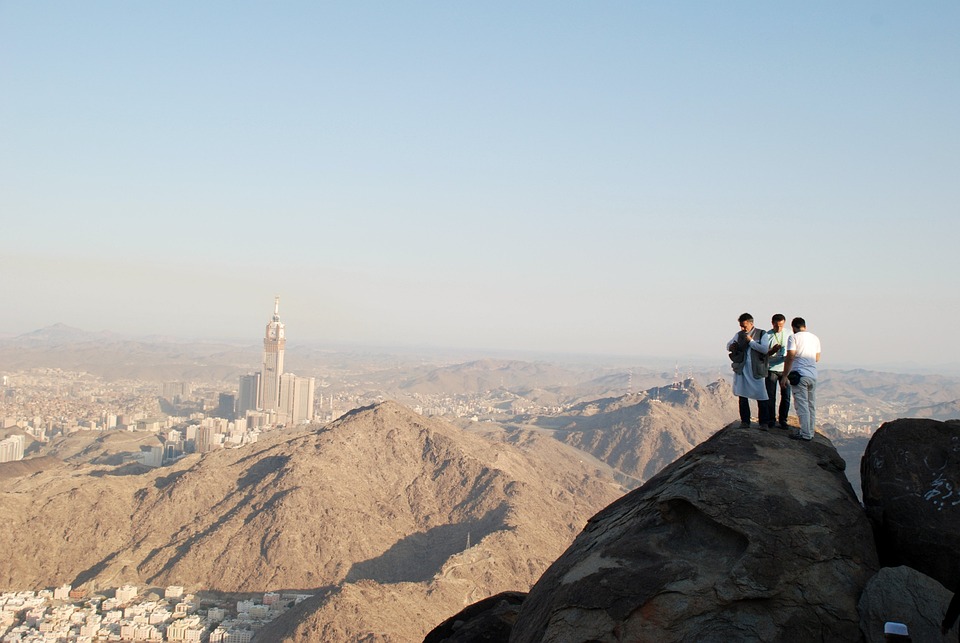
x=772, y=346
x=788, y=360
x=740, y=339
x=762, y=346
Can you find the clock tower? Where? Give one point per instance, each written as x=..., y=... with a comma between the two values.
x=272, y=369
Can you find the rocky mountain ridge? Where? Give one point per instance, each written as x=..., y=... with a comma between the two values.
x=382, y=505
x=641, y=433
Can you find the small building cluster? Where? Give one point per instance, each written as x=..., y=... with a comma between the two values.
x=64, y=615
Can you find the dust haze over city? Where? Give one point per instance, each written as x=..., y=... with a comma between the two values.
x=518, y=236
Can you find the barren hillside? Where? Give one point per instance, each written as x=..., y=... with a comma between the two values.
x=380, y=506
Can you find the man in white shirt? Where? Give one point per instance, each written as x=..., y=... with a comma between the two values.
x=803, y=353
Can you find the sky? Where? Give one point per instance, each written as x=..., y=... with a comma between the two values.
x=619, y=178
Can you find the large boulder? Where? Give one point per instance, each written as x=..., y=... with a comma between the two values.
x=486, y=621
x=903, y=595
x=750, y=536
x=910, y=472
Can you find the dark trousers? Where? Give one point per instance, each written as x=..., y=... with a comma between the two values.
x=745, y=409
x=769, y=413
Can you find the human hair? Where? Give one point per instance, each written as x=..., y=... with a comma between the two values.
x=778, y=318
x=798, y=322
x=744, y=317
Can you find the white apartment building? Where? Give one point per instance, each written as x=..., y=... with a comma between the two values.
x=231, y=635
x=188, y=630
x=11, y=449
x=126, y=594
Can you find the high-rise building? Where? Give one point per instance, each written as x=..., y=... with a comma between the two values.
x=272, y=369
x=226, y=407
x=296, y=398
x=207, y=438
x=248, y=397
x=175, y=392
x=272, y=397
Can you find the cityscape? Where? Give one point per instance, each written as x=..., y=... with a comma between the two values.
x=197, y=417
x=130, y=613
x=170, y=420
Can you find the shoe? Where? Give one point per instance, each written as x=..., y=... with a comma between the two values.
x=796, y=436
x=784, y=426
x=744, y=425
x=762, y=427
x=772, y=425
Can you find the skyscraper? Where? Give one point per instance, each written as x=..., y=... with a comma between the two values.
x=249, y=394
x=273, y=344
x=296, y=398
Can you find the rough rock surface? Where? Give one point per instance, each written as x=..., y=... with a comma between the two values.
x=910, y=474
x=750, y=536
x=906, y=596
x=487, y=621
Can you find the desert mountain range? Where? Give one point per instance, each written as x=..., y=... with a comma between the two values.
x=382, y=514
x=641, y=433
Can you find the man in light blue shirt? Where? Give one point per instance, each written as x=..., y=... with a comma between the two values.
x=776, y=378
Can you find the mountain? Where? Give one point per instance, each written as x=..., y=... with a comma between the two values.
x=894, y=394
x=639, y=434
x=748, y=537
x=942, y=411
x=488, y=374
x=115, y=357
x=60, y=334
x=380, y=513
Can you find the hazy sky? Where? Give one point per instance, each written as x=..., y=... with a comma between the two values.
x=615, y=177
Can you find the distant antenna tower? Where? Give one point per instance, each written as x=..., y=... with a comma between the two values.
x=676, y=377
x=630, y=382
x=468, y=540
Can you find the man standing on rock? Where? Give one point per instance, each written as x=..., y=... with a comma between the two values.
x=748, y=354
x=800, y=365
x=776, y=378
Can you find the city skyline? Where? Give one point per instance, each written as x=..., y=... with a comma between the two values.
x=272, y=395
x=569, y=179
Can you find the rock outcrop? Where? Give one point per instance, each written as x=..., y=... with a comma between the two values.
x=910, y=474
x=490, y=621
x=906, y=596
x=750, y=536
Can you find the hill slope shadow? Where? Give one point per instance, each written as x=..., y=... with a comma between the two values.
x=419, y=557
